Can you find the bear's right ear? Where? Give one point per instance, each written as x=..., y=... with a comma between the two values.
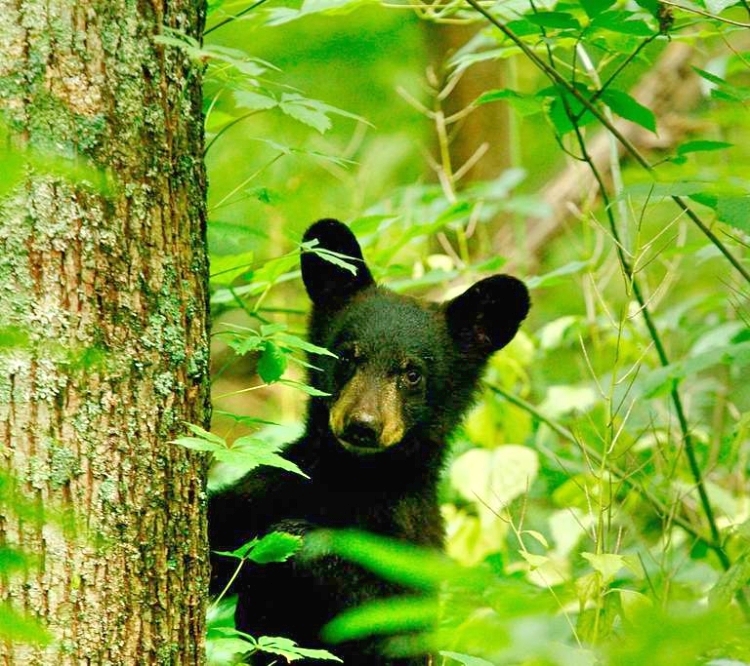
x=328, y=283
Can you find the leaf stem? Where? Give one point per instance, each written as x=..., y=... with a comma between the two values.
x=625, y=477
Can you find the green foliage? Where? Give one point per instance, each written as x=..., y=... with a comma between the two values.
x=14, y=625
x=246, y=451
x=273, y=547
x=596, y=499
x=226, y=646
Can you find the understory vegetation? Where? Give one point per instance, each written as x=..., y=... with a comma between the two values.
x=596, y=499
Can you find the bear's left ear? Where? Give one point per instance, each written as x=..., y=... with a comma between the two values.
x=487, y=315
x=327, y=282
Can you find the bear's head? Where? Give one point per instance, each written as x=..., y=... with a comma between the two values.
x=404, y=368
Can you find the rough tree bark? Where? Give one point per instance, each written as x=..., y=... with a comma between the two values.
x=103, y=317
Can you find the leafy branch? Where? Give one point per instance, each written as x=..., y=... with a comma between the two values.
x=560, y=81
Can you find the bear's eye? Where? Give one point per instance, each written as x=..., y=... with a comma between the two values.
x=347, y=356
x=413, y=377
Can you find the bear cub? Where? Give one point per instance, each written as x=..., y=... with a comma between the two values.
x=404, y=374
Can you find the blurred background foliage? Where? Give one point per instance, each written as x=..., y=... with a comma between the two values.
x=596, y=499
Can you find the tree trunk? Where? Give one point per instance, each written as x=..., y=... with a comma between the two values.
x=103, y=342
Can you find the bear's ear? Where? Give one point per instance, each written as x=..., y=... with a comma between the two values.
x=327, y=282
x=487, y=315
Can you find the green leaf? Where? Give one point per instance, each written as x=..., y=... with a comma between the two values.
x=615, y=21
x=290, y=651
x=607, y=564
x=563, y=105
x=395, y=560
x=494, y=478
x=13, y=337
x=249, y=99
x=702, y=146
x=243, y=419
x=559, y=20
x=626, y=106
x=269, y=330
x=395, y=615
x=651, y=6
x=465, y=659
x=205, y=434
x=15, y=627
x=596, y=7
x=525, y=105
x=734, y=211
x=203, y=440
x=730, y=582
x=335, y=258
x=312, y=112
x=272, y=363
x=275, y=547
x=226, y=269
x=722, y=89
x=662, y=380
x=251, y=452
x=718, y=6
x=197, y=444
x=305, y=388
x=294, y=342
x=12, y=559
x=245, y=344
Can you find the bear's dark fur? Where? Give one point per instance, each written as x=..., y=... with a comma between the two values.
x=405, y=373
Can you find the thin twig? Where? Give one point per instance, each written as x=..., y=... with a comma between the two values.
x=229, y=19
x=687, y=439
x=620, y=474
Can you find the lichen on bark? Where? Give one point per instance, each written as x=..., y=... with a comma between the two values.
x=103, y=328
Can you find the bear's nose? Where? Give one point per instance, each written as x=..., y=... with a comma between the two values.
x=363, y=429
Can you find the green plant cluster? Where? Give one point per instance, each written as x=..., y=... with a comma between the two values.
x=597, y=500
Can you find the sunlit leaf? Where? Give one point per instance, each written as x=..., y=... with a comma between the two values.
x=718, y=6
x=394, y=560
x=465, y=659
x=700, y=146
x=305, y=388
x=273, y=547
x=494, y=478
x=595, y=7
x=735, y=211
x=607, y=564
x=16, y=627
x=290, y=651
x=384, y=617
x=730, y=582
x=198, y=444
x=251, y=452
x=675, y=636
x=294, y=342
x=250, y=99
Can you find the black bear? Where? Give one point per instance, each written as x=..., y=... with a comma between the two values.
x=405, y=372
